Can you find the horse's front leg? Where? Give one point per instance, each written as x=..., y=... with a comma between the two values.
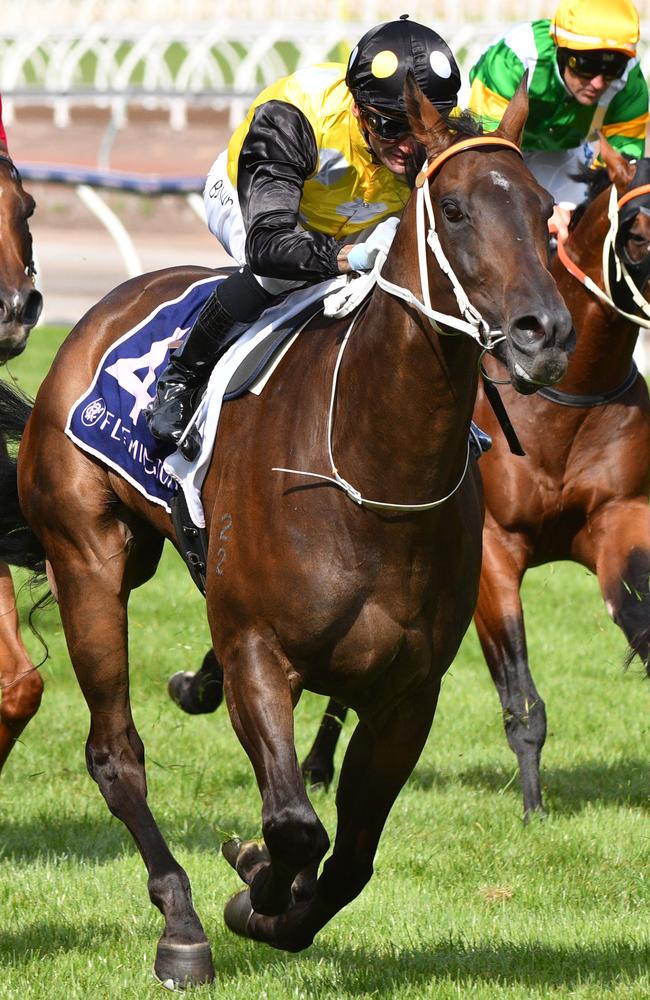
x=499, y=622
x=260, y=700
x=318, y=765
x=620, y=538
x=90, y=576
x=378, y=760
x=21, y=685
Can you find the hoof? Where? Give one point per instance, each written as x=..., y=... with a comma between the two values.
x=230, y=850
x=195, y=697
x=245, y=856
x=238, y=912
x=537, y=815
x=181, y=965
x=316, y=780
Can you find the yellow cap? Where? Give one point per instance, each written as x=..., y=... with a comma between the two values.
x=596, y=24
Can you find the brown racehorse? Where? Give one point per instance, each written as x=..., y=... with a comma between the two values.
x=364, y=600
x=581, y=492
x=20, y=307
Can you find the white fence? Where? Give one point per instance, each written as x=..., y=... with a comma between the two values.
x=78, y=14
x=179, y=64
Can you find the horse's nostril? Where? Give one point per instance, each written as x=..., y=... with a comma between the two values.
x=32, y=308
x=528, y=331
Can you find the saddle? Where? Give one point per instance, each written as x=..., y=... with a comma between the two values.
x=193, y=540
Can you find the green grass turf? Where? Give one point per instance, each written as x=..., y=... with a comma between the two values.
x=465, y=901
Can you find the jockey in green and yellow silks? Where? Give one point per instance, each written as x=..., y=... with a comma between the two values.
x=583, y=77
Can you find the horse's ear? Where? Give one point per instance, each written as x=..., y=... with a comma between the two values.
x=514, y=117
x=620, y=170
x=425, y=123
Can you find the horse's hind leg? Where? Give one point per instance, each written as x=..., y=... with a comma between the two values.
x=377, y=762
x=88, y=554
x=20, y=682
x=318, y=765
x=499, y=622
x=260, y=701
x=201, y=692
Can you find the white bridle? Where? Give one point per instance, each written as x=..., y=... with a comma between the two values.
x=471, y=324
x=609, y=250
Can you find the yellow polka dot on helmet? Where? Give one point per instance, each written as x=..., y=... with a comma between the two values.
x=596, y=24
x=384, y=64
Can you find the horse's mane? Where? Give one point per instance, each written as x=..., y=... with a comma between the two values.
x=596, y=179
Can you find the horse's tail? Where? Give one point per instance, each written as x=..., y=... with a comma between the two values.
x=19, y=546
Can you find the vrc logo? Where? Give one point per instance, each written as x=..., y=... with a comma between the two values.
x=93, y=412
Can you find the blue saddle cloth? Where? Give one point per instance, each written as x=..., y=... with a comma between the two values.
x=108, y=420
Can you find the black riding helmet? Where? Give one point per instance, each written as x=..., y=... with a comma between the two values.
x=378, y=65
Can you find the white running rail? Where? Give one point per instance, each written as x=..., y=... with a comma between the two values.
x=196, y=59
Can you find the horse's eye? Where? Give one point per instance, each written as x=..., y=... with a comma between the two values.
x=451, y=211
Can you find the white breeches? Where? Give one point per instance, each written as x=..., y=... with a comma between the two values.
x=225, y=221
x=552, y=170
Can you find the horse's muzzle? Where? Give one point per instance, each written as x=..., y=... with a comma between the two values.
x=538, y=347
x=20, y=307
x=19, y=312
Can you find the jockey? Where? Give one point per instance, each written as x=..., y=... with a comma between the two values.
x=322, y=156
x=583, y=76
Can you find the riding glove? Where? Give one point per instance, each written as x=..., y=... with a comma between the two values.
x=362, y=256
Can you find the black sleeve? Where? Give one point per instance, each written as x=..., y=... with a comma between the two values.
x=279, y=153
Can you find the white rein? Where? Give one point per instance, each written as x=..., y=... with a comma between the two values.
x=609, y=248
x=471, y=324
x=621, y=270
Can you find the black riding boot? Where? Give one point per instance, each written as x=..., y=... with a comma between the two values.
x=239, y=298
x=186, y=374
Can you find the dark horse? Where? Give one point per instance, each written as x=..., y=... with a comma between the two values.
x=362, y=600
x=581, y=492
x=20, y=307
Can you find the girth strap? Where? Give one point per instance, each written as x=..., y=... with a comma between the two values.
x=192, y=541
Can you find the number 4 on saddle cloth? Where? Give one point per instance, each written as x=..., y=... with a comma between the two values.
x=108, y=421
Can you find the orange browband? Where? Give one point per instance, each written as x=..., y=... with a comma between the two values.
x=475, y=141
x=634, y=193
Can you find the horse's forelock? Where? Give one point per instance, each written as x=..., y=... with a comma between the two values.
x=463, y=126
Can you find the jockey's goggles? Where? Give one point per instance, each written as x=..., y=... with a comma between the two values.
x=587, y=65
x=384, y=127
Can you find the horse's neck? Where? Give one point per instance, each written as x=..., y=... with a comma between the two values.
x=404, y=403
x=605, y=341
